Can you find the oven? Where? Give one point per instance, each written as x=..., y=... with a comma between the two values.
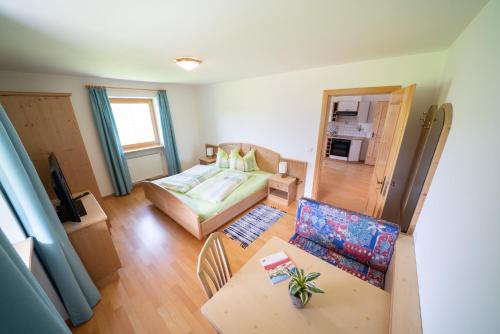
x=339, y=148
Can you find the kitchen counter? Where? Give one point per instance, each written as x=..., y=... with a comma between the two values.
x=347, y=137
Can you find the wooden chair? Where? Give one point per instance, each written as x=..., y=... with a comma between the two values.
x=213, y=267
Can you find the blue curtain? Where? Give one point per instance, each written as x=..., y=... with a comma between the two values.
x=24, y=306
x=110, y=142
x=34, y=211
x=173, y=163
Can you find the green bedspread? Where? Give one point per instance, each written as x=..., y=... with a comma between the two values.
x=206, y=209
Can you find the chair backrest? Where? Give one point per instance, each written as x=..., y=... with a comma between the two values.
x=213, y=267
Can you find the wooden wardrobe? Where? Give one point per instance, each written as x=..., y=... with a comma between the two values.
x=46, y=123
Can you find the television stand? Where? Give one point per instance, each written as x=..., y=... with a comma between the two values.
x=92, y=241
x=81, y=196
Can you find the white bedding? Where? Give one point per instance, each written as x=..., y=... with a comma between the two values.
x=188, y=179
x=218, y=187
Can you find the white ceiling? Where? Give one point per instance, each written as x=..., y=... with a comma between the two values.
x=137, y=40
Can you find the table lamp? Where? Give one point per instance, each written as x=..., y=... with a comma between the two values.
x=282, y=168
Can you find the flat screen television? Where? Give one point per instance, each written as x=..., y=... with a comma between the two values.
x=69, y=208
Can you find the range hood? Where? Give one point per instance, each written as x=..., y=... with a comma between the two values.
x=347, y=113
x=347, y=108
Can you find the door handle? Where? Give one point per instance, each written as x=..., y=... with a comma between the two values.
x=382, y=183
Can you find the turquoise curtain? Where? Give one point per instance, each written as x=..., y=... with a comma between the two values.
x=173, y=163
x=34, y=211
x=24, y=306
x=110, y=141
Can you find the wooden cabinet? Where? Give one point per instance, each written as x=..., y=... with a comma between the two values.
x=282, y=190
x=363, y=108
x=46, y=123
x=355, y=110
x=354, y=150
x=380, y=111
x=348, y=105
x=92, y=241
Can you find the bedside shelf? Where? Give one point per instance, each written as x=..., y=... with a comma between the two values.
x=282, y=190
x=207, y=160
x=279, y=193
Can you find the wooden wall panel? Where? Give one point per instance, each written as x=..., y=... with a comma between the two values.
x=47, y=124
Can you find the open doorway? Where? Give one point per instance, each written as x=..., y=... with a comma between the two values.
x=358, y=162
x=359, y=140
x=352, y=121
x=352, y=141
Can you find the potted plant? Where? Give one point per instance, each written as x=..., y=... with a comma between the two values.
x=301, y=287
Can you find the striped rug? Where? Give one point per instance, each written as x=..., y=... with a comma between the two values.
x=253, y=224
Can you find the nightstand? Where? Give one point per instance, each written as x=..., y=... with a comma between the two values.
x=207, y=160
x=281, y=190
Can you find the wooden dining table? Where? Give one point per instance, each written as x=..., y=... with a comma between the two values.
x=250, y=303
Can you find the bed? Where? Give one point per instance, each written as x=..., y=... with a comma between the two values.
x=200, y=217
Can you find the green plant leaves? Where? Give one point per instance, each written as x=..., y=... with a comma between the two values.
x=295, y=289
x=300, y=275
x=301, y=285
x=311, y=287
x=311, y=277
x=304, y=297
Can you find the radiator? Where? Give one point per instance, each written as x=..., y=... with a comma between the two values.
x=146, y=166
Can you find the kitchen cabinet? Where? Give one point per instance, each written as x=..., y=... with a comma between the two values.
x=354, y=150
x=363, y=109
x=348, y=105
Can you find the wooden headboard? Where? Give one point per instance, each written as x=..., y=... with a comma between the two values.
x=268, y=161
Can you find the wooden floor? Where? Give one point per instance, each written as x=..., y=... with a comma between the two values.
x=345, y=184
x=158, y=290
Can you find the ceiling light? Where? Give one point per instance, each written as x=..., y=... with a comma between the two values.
x=188, y=63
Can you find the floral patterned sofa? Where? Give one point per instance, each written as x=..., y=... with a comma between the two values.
x=359, y=244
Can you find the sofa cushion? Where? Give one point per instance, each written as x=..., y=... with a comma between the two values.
x=372, y=276
x=362, y=238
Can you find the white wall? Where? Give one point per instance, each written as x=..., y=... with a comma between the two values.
x=282, y=112
x=183, y=106
x=457, y=239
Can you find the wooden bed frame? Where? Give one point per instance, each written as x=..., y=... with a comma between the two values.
x=180, y=212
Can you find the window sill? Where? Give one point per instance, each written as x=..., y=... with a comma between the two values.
x=141, y=149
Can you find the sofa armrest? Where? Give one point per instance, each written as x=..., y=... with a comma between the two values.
x=402, y=283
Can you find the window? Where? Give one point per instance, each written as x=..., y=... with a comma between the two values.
x=136, y=122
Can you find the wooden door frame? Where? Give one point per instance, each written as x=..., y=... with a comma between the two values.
x=323, y=120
